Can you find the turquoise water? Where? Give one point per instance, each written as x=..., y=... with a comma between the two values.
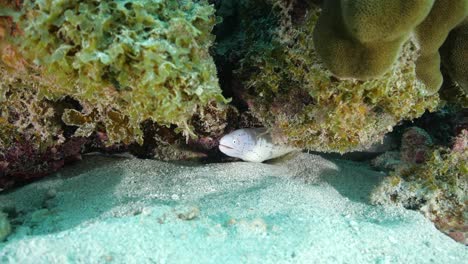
x=303, y=210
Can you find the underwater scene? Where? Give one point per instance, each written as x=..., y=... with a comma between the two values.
x=233, y=131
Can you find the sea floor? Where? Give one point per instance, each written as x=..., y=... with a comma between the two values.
x=305, y=209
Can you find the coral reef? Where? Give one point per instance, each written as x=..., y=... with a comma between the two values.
x=455, y=55
x=163, y=143
x=209, y=124
x=5, y=227
x=416, y=144
x=363, y=39
x=387, y=161
x=70, y=85
x=287, y=88
x=24, y=160
x=436, y=187
x=431, y=34
x=103, y=75
x=23, y=113
x=124, y=61
x=32, y=140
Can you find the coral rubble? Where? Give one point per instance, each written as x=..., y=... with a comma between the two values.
x=435, y=183
x=416, y=144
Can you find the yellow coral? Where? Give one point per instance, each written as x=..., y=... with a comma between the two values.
x=362, y=39
x=455, y=56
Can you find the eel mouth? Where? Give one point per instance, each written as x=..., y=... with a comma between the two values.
x=221, y=145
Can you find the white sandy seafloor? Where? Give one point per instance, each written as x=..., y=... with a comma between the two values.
x=303, y=210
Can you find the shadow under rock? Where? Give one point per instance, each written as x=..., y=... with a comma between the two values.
x=356, y=181
x=353, y=180
x=64, y=199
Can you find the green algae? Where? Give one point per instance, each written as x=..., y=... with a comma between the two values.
x=124, y=61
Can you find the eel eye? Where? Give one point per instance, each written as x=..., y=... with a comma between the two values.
x=234, y=141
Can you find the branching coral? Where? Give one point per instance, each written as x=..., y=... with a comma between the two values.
x=292, y=93
x=124, y=61
x=362, y=39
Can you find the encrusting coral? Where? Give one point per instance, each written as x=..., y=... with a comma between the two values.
x=124, y=61
x=416, y=144
x=32, y=137
x=362, y=39
x=304, y=105
x=437, y=187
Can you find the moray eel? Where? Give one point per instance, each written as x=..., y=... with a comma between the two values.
x=252, y=144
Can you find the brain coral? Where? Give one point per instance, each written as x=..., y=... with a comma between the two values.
x=304, y=105
x=124, y=61
x=362, y=39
